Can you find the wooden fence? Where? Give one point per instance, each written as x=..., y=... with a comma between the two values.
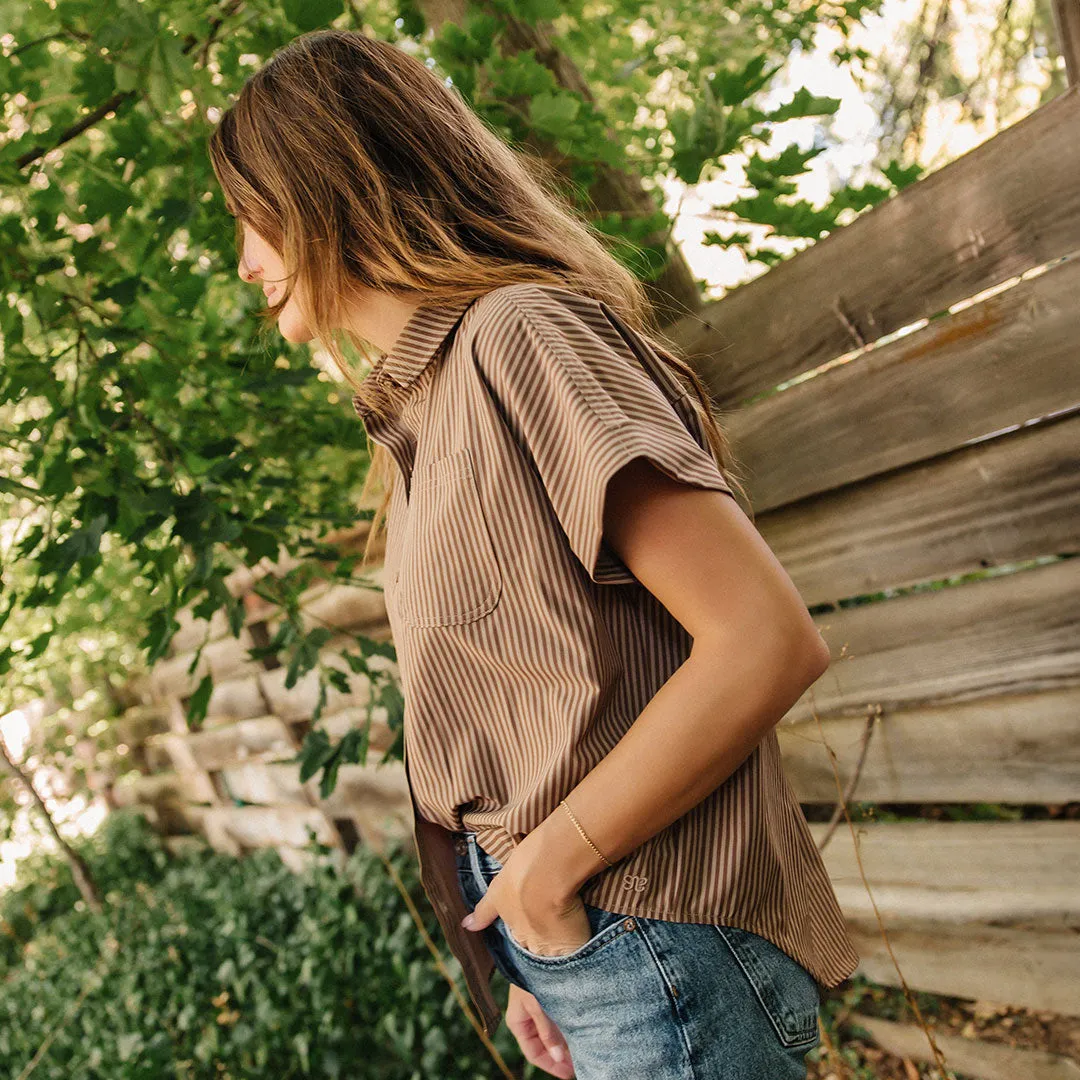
x=922, y=490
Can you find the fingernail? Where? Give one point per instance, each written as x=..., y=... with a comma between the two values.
x=558, y=1053
x=467, y=922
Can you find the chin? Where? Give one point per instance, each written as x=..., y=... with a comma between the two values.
x=295, y=332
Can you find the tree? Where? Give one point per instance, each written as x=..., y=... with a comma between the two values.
x=153, y=444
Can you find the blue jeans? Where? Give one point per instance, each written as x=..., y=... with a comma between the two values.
x=660, y=999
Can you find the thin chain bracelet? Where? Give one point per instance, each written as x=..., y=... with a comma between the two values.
x=563, y=802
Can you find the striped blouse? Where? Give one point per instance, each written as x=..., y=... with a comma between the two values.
x=527, y=648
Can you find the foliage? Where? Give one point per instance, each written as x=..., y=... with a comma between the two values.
x=231, y=968
x=153, y=442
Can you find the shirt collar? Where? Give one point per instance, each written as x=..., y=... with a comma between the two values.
x=417, y=344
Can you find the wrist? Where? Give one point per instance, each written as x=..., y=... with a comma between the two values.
x=567, y=858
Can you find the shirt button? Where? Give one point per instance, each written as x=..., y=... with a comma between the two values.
x=461, y=846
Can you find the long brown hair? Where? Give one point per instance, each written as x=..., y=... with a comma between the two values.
x=360, y=167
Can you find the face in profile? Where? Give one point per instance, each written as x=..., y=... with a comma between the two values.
x=261, y=263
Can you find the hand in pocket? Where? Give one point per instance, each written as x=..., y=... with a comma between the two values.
x=539, y=919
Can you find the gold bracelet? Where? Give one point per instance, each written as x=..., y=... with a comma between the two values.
x=563, y=802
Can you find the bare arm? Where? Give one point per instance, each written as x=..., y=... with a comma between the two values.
x=755, y=651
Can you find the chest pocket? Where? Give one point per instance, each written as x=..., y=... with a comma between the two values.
x=448, y=571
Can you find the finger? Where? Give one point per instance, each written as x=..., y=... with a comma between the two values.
x=522, y=1013
x=543, y=1057
x=550, y=1038
x=482, y=915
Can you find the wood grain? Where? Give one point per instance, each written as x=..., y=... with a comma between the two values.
x=1000, y=501
x=1002, y=362
x=1012, y=634
x=1010, y=204
x=1016, y=748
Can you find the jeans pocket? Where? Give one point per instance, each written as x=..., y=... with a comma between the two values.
x=787, y=992
x=606, y=927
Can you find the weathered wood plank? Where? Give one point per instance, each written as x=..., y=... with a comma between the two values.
x=262, y=738
x=375, y=797
x=224, y=659
x=1005, y=361
x=969, y=1057
x=266, y=785
x=1010, y=204
x=1067, y=25
x=1022, y=748
x=1002, y=872
x=263, y=826
x=375, y=787
x=139, y=722
x=164, y=787
x=235, y=699
x=193, y=631
x=1015, y=633
x=1003, y=500
x=1033, y=968
x=342, y=606
x=371, y=792
x=242, y=580
x=298, y=702
x=179, y=752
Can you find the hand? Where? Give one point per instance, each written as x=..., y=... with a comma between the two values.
x=541, y=912
x=540, y=1040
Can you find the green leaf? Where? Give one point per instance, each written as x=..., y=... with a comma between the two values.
x=164, y=74
x=160, y=628
x=197, y=705
x=553, y=112
x=412, y=19
x=519, y=75
x=339, y=680
x=534, y=11
x=803, y=103
x=314, y=753
x=39, y=644
x=311, y=14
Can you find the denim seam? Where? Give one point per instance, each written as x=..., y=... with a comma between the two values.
x=474, y=865
x=601, y=939
x=676, y=1008
x=789, y=1041
x=482, y=886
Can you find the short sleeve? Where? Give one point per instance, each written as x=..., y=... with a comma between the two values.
x=583, y=395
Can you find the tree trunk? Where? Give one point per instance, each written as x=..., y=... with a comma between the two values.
x=675, y=293
x=79, y=870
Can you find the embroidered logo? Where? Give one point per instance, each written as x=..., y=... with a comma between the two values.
x=633, y=881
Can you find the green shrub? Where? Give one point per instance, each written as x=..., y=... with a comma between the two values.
x=231, y=968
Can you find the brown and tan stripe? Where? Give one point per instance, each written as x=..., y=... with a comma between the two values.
x=527, y=648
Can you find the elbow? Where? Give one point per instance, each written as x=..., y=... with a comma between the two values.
x=818, y=653
x=797, y=656
x=791, y=655
x=809, y=653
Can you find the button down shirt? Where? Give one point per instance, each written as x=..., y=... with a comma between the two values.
x=527, y=648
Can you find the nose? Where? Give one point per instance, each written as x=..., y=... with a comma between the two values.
x=246, y=274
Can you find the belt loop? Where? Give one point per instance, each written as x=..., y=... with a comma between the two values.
x=474, y=862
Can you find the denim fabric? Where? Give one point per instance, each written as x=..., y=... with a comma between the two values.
x=660, y=999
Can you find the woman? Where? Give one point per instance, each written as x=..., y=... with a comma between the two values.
x=595, y=642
